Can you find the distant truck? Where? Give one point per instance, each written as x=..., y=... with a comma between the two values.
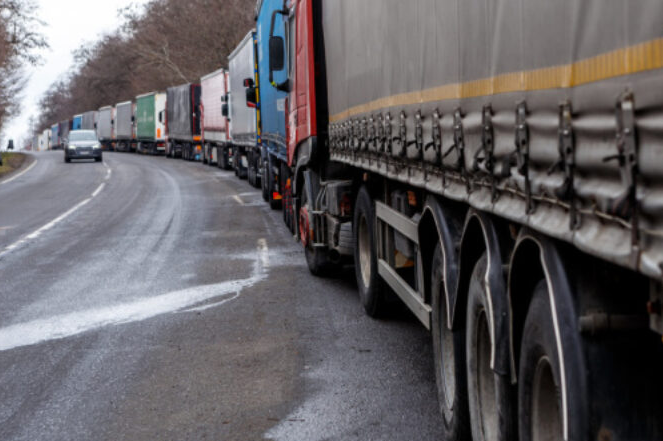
x=242, y=107
x=216, y=134
x=183, y=122
x=55, y=137
x=89, y=120
x=124, y=126
x=105, y=127
x=63, y=131
x=77, y=122
x=150, y=123
x=47, y=137
x=272, y=104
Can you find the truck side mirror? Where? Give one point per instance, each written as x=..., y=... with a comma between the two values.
x=224, y=110
x=161, y=117
x=276, y=54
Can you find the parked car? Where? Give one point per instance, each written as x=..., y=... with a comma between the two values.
x=82, y=144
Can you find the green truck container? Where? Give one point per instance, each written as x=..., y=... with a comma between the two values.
x=150, y=123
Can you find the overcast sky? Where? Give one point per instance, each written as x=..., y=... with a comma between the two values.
x=69, y=23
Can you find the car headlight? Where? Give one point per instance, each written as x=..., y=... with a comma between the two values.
x=97, y=147
x=71, y=147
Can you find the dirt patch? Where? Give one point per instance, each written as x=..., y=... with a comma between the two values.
x=12, y=162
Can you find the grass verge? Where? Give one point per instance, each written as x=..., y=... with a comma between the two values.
x=11, y=162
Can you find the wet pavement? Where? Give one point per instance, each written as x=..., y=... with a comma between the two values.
x=150, y=298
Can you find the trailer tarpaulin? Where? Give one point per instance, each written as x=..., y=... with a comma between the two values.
x=530, y=110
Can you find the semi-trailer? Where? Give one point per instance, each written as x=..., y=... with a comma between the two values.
x=124, y=126
x=45, y=140
x=496, y=166
x=243, y=103
x=274, y=155
x=89, y=120
x=216, y=136
x=55, y=137
x=150, y=123
x=183, y=122
x=63, y=133
x=105, y=127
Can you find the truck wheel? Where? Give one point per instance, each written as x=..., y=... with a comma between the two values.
x=316, y=258
x=489, y=394
x=264, y=182
x=449, y=352
x=371, y=288
x=539, y=406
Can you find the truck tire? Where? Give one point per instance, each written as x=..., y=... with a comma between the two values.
x=449, y=352
x=316, y=258
x=539, y=406
x=264, y=182
x=224, y=160
x=489, y=394
x=371, y=288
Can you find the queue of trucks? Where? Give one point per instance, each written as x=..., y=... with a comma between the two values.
x=497, y=168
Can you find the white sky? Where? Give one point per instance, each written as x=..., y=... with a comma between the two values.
x=69, y=24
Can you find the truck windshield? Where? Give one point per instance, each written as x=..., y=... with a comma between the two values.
x=86, y=135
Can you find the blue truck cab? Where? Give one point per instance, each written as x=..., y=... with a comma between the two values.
x=272, y=115
x=77, y=122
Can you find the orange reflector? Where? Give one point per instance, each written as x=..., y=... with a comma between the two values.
x=412, y=198
x=276, y=196
x=199, y=148
x=158, y=133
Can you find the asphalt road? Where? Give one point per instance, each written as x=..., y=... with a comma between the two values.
x=149, y=298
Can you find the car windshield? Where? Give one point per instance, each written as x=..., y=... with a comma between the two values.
x=84, y=135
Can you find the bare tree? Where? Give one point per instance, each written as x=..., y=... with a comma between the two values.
x=163, y=43
x=19, y=45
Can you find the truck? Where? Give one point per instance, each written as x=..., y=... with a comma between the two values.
x=124, y=126
x=216, y=130
x=183, y=122
x=150, y=123
x=55, y=137
x=106, y=127
x=243, y=103
x=89, y=120
x=63, y=133
x=45, y=140
x=77, y=122
x=274, y=153
x=496, y=167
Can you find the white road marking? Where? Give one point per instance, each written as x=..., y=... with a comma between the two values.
x=98, y=190
x=35, y=234
x=7, y=181
x=75, y=323
x=238, y=199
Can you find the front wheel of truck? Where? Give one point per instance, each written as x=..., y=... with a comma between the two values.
x=316, y=257
x=264, y=182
